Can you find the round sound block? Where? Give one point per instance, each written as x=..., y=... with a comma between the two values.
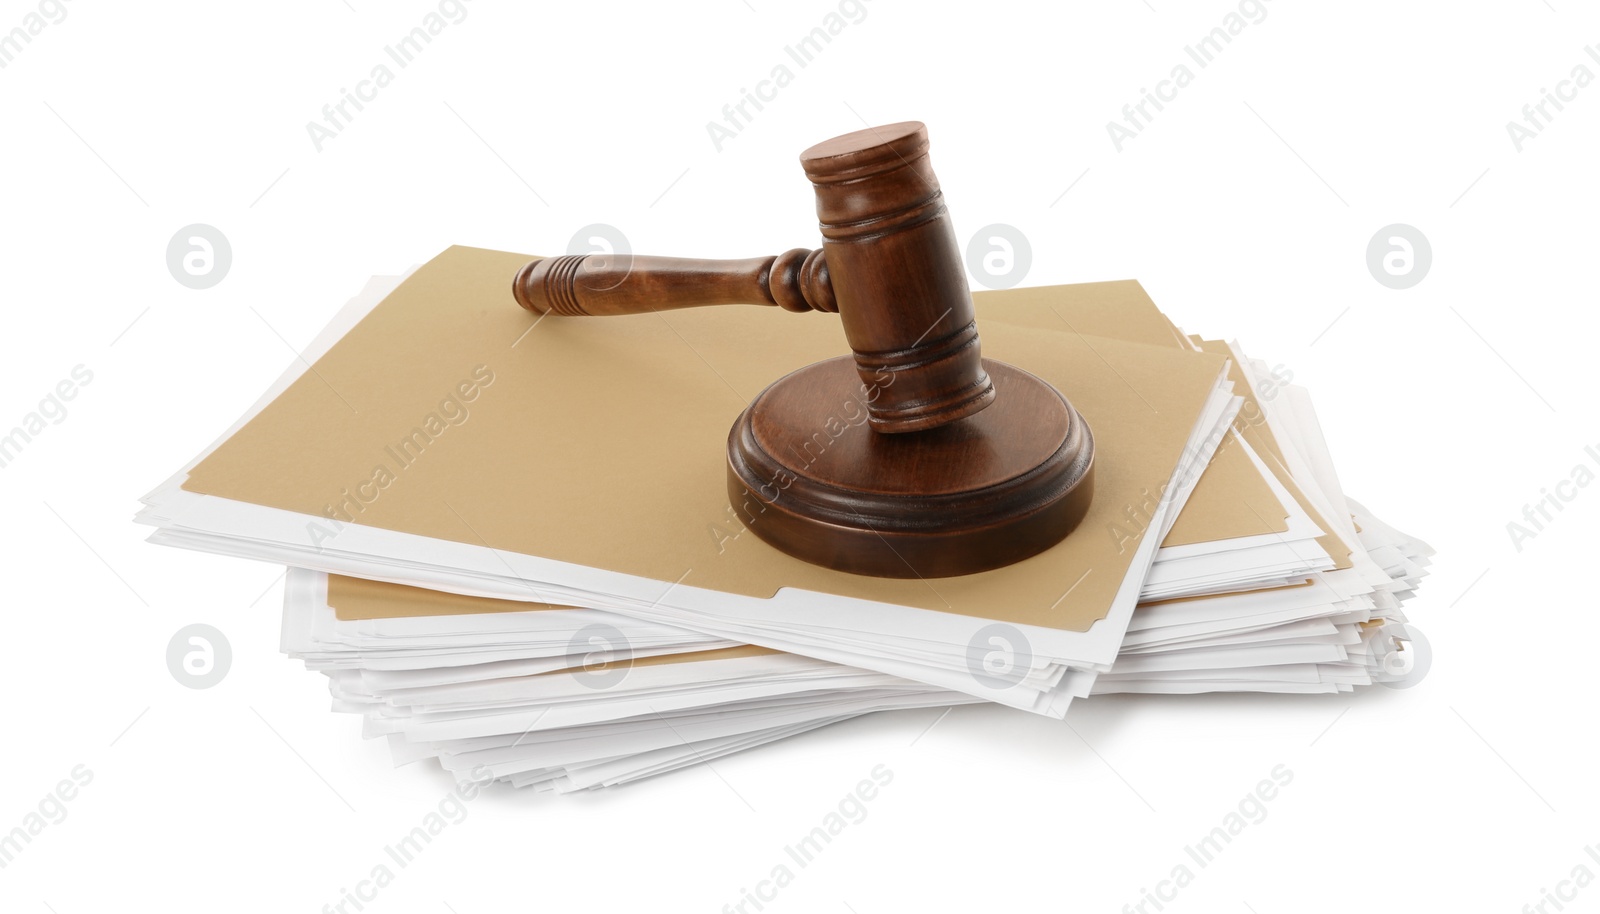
x=807, y=475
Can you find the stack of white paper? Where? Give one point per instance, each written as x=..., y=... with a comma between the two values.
x=619, y=669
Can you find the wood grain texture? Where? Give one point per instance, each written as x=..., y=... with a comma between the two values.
x=898, y=275
x=807, y=475
x=579, y=285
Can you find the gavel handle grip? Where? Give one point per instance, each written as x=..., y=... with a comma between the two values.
x=606, y=284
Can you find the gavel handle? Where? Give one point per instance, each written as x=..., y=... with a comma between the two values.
x=606, y=284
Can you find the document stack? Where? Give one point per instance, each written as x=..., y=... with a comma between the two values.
x=491, y=573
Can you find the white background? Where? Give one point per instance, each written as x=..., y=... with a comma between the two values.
x=1245, y=208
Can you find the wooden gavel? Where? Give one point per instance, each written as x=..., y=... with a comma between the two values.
x=941, y=484
x=889, y=265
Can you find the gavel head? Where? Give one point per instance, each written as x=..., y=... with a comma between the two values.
x=896, y=272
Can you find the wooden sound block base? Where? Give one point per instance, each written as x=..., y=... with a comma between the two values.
x=808, y=476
